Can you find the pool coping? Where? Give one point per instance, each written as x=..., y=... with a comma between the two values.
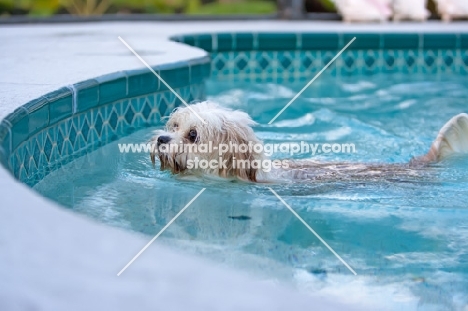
x=53, y=227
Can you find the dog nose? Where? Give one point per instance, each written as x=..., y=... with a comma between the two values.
x=163, y=139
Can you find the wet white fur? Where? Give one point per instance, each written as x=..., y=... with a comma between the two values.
x=224, y=125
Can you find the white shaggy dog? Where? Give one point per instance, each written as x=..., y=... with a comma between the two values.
x=179, y=149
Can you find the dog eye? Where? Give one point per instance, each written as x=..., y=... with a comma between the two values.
x=192, y=135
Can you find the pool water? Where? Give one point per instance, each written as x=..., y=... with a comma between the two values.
x=407, y=240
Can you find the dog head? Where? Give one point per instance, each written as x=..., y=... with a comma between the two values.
x=187, y=142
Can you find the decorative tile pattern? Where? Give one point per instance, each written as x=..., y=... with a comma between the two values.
x=57, y=127
x=279, y=66
x=277, y=57
x=45, y=151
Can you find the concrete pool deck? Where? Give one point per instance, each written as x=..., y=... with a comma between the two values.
x=54, y=259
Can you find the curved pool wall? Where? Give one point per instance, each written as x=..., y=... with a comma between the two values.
x=58, y=126
x=52, y=130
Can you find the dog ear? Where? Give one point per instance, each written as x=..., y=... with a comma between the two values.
x=243, y=169
x=239, y=164
x=238, y=131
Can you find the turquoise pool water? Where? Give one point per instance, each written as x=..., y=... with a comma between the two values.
x=407, y=239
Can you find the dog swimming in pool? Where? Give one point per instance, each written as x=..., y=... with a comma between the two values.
x=209, y=140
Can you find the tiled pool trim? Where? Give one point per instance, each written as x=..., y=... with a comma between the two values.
x=56, y=128
x=278, y=57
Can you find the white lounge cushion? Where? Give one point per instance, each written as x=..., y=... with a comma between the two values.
x=364, y=10
x=410, y=9
x=450, y=9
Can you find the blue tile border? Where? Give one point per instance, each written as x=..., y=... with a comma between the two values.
x=264, y=41
x=463, y=44
x=60, y=104
x=5, y=138
x=440, y=41
x=57, y=127
x=19, y=126
x=112, y=87
x=56, y=145
x=401, y=41
x=141, y=82
x=38, y=114
x=262, y=56
x=319, y=41
x=276, y=41
x=225, y=42
x=86, y=95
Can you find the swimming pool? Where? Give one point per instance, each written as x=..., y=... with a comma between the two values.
x=388, y=93
x=406, y=239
